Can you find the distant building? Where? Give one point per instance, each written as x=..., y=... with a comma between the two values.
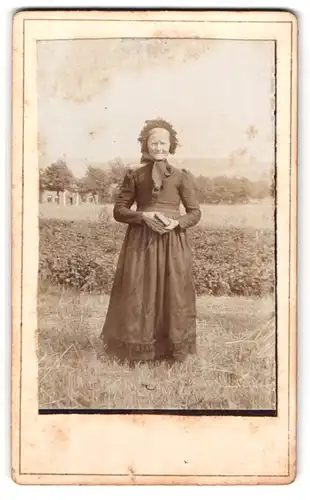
x=90, y=198
x=68, y=197
x=63, y=198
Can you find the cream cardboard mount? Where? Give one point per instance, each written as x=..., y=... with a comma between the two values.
x=65, y=441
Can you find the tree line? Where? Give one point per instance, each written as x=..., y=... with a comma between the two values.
x=231, y=190
x=105, y=183
x=58, y=177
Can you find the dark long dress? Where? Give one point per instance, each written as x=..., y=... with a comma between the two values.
x=152, y=310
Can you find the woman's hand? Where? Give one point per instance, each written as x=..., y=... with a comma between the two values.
x=173, y=224
x=150, y=219
x=148, y=215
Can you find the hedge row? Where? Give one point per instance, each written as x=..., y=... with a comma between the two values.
x=83, y=255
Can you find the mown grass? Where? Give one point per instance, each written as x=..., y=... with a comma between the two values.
x=255, y=215
x=234, y=367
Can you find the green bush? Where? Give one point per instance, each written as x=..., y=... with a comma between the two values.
x=83, y=255
x=233, y=261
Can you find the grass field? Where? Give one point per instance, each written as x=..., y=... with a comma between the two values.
x=260, y=215
x=234, y=367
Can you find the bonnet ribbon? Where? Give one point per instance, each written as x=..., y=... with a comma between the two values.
x=160, y=170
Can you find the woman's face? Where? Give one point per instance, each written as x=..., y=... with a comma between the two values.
x=159, y=143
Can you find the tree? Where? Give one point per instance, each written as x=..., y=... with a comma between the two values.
x=229, y=190
x=42, y=183
x=259, y=189
x=96, y=182
x=57, y=177
x=204, y=189
x=117, y=171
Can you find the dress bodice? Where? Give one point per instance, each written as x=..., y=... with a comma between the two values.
x=177, y=187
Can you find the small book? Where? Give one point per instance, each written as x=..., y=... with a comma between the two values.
x=161, y=218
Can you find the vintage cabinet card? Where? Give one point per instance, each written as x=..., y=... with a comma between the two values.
x=154, y=247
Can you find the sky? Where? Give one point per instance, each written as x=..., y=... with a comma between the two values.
x=94, y=96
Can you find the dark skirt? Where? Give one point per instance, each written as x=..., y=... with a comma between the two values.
x=152, y=310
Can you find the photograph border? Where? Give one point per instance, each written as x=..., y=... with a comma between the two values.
x=272, y=412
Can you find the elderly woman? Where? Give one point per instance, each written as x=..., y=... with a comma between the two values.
x=152, y=312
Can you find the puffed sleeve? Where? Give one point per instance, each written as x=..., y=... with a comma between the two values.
x=189, y=200
x=122, y=209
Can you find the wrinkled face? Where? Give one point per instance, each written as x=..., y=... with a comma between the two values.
x=159, y=143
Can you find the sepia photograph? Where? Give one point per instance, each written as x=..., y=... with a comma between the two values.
x=156, y=285
x=154, y=250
